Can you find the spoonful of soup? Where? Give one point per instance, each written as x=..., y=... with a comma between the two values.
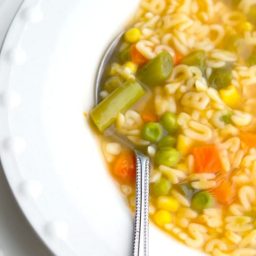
x=121, y=89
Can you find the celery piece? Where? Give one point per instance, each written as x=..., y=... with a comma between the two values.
x=157, y=70
x=121, y=99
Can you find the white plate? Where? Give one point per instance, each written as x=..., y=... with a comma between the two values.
x=51, y=158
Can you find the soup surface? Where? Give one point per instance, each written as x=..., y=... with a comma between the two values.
x=182, y=89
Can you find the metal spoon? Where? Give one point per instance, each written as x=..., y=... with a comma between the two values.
x=141, y=223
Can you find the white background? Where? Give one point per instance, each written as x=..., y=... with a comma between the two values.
x=16, y=236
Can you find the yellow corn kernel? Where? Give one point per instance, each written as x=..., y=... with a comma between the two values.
x=230, y=96
x=133, y=35
x=246, y=26
x=182, y=167
x=162, y=217
x=168, y=203
x=184, y=144
x=131, y=66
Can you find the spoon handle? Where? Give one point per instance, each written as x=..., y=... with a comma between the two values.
x=141, y=226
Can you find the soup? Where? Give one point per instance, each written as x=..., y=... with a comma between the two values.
x=182, y=89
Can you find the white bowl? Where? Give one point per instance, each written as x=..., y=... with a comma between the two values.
x=51, y=158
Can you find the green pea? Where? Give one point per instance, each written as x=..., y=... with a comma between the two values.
x=251, y=15
x=162, y=187
x=169, y=122
x=152, y=132
x=112, y=83
x=221, y=78
x=167, y=142
x=167, y=156
x=196, y=58
x=202, y=200
x=157, y=70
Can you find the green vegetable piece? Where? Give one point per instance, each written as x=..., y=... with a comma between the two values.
x=162, y=187
x=125, y=54
x=187, y=190
x=152, y=132
x=252, y=59
x=251, y=15
x=196, y=58
x=112, y=83
x=121, y=99
x=202, y=200
x=167, y=156
x=169, y=122
x=227, y=118
x=166, y=142
x=221, y=78
x=157, y=70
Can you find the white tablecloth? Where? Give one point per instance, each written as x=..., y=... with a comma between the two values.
x=16, y=236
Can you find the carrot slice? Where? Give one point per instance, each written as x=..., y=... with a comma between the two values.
x=224, y=192
x=248, y=138
x=124, y=167
x=177, y=59
x=149, y=117
x=207, y=159
x=137, y=57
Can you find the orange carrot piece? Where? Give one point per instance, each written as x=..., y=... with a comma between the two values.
x=137, y=57
x=224, y=192
x=248, y=138
x=177, y=59
x=124, y=167
x=149, y=117
x=207, y=159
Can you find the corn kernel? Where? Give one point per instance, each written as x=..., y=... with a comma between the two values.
x=162, y=217
x=182, y=167
x=230, y=96
x=131, y=66
x=168, y=203
x=246, y=26
x=184, y=144
x=133, y=35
